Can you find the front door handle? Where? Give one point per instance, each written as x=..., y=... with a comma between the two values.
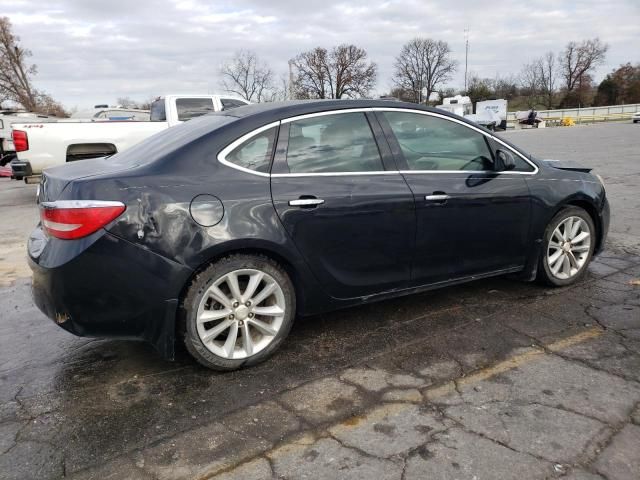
x=439, y=198
x=306, y=202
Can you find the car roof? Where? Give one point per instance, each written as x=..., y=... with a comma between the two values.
x=273, y=111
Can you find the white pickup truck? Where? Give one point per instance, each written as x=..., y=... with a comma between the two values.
x=42, y=145
x=7, y=119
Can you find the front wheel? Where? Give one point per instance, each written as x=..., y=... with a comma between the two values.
x=238, y=312
x=568, y=245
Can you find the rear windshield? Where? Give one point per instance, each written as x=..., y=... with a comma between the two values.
x=170, y=140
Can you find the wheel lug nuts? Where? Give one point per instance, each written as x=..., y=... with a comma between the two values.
x=250, y=314
x=236, y=304
x=232, y=316
x=248, y=304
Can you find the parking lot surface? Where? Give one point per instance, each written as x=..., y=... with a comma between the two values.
x=496, y=379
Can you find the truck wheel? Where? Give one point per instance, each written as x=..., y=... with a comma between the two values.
x=568, y=244
x=238, y=312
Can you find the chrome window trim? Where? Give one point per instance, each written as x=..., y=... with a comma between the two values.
x=222, y=156
x=225, y=151
x=471, y=127
x=328, y=112
x=336, y=174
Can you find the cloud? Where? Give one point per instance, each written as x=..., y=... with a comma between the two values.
x=91, y=52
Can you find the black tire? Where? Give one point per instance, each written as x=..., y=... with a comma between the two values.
x=544, y=272
x=199, y=286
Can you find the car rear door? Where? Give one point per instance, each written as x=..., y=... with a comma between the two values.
x=341, y=199
x=471, y=219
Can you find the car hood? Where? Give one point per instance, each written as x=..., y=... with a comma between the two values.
x=567, y=165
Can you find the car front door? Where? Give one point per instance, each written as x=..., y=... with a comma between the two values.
x=471, y=218
x=341, y=199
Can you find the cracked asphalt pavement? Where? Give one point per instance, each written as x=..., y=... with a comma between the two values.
x=496, y=379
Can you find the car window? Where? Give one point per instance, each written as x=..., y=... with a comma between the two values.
x=433, y=143
x=189, y=108
x=254, y=153
x=332, y=143
x=229, y=103
x=158, y=112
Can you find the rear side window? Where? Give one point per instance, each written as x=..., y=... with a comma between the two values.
x=254, y=153
x=433, y=143
x=229, y=103
x=189, y=108
x=158, y=112
x=332, y=144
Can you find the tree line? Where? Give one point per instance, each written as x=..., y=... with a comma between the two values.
x=423, y=67
x=421, y=71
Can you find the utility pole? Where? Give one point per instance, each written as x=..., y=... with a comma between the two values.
x=466, y=56
x=290, y=79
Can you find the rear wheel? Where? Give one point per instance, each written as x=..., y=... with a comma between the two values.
x=238, y=311
x=568, y=246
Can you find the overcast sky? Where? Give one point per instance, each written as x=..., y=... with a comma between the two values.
x=93, y=51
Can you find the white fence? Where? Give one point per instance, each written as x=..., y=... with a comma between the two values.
x=621, y=111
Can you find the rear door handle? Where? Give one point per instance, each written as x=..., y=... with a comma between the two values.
x=437, y=198
x=306, y=202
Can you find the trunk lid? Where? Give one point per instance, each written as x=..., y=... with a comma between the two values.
x=55, y=179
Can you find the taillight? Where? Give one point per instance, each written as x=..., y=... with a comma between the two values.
x=20, y=140
x=71, y=219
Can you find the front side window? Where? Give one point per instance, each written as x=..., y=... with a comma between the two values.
x=254, y=153
x=189, y=108
x=433, y=143
x=332, y=144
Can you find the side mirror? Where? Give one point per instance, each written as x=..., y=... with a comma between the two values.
x=505, y=160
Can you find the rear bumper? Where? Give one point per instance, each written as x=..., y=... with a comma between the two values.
x=103, y=286
x=21, y=169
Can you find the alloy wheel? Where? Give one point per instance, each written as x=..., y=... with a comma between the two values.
x=240, y=313
x=568, y=248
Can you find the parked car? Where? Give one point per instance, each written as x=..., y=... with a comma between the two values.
x=223, y=229
x=41, y=145
x=636, y=117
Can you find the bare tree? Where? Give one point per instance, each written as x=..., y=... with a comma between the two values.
x=530, y=83
x=577, y=62
x=422, y=65
x=342, y=72
x=16, y=73
x=547, y=71
x=246, y=76
x=126, y=102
